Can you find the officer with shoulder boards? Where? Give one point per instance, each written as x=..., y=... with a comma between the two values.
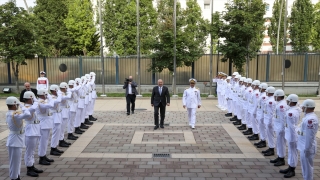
x=191, y=100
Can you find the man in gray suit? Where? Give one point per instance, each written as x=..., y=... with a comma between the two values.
x=131, y=93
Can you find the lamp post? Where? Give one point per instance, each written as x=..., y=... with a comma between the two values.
x=284, y=43
x=174, y=48
x=211, y=53
x=101, y=51
x=257, y=71
x=138, y=49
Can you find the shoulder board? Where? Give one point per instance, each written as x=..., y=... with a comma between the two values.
x=186, y=88
x=197, y=88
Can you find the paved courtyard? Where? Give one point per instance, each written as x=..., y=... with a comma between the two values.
x=121, y=147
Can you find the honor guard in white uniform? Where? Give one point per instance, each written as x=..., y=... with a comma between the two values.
x=15, y=140
x=235, y=97
x=42, y=82
x=73, y=103
x=217, y=80
x=82, y=104
x=253, y=103
x=57, y=119
x=85, y=94
x=239, y=102
x=44, y=115
x=260, y=115
x=242, y=108
x=223, y=91
x=307, y=139
x=32, y=133
x=65, y=109
x=292, y=118
x=191, y=100
x=269, y=110
x=94, y=96
x=229, y=97
x=279, y=120
x=89, y=105
x=247, y=95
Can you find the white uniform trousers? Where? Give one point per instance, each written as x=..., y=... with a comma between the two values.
x=248, y=119
x=83, y=114
x=71, y=122
x=281, y=144
x=192, y=116
x=15, y=161
x=219, y=99
x=63, y=127
x=270, y=135
x=229, y=106
x=31, y=144
x=292, y=154
x=234, y=105
x=307, y=165
x=88, y=110
x=262, y=129
x=43, y=143
x=93, y=101
x=224, y=101
x=239, y=109
x=78, y=117
x=243, y=115
x=255, y=123
x=55, y=135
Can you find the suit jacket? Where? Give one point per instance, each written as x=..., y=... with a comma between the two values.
x=156, y=98
x=35, y=92
x=133, y=88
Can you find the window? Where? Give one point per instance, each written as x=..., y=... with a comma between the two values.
x=267, y=7
x=206, y=6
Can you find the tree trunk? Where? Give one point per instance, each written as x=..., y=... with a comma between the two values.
x=84, y=50
x=15, y=68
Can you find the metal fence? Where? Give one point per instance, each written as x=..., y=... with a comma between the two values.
x=265, y=67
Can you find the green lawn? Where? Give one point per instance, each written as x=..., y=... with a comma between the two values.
x=9, y=94
x=143, y=95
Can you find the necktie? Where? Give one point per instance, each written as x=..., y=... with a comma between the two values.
x=160, y=90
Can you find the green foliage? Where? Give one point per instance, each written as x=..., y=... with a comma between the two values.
x=243, y=31
x=301, y=21
x=18, y=41
x=50, y=16
x=273, y=28
x=191, y=34
x=80, y=27
x=215, y=29
x=120, y=26
x=316, y=28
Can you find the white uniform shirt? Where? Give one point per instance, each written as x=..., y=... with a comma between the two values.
x=235, y=91
x=43, y=113
x=223, y=86
x=247, y=97
x=269, y=110
x=64, y=105
x=291, y=123
x=43, y=83
x=82, y=95
x=255, y=95
x=56, y=108
x=14, y=120
x=32, y=127
x=229, y=91
x=73, y=101
x=261, y=105
x=191, y=98
x=241, y=96
x=279, y=117
x=307, y=132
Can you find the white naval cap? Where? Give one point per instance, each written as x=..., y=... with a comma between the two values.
x=192, y=80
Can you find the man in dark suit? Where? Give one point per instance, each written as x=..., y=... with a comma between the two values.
x=159, y=100
x=131, y=93
x=27, y=88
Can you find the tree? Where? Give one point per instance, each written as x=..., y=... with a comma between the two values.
x=17, y=39
x=81, y=28
x=316, y=28
x=120, y=26
x=301, y=21
x=273, y=28
x=215, y=28
x=243, y=31
x=191, y=34
x=50, y=16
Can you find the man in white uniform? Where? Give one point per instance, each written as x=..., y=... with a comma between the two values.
x=44, y=115
x=291, y=124
x=235, y=97
x=253, y=103
x=42, y=82
x=239, y=102
x=94, y=95
x=229, y=97
x=242, y=105
x=247, y=96
x=191, y=100
x=278, y=123
x=307, y=139
x=268, y=121
x=65, y=107
x=32, y=132
x=73, y=103
x=15, y=140
x=260, y=116
x=89, y=104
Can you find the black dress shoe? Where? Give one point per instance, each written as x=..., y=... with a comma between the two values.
x=37, y=170
x=280, y=162
x=74, y=136
x=87, y=122
x=78, y=131
x=284, y=171
x=238, y=122
x=275, y=160
x=47, y=159
x=262, y=144
x=258, y=143
x=156, y=127
x=53, y=152
x=128, y=114
x=59, y=151
x=66, y=142
x=71, y=137
x=91, y=118
x=43, y=161
x=248, y=132
x=82, y=126
x=266, y=151
x=30, y=172
x=228, y=114
x=254, y=137
x=62, y=144
x=290, y=173
x=132, y=112
x=243, y=127
x=269, y=153
x=161, y=126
